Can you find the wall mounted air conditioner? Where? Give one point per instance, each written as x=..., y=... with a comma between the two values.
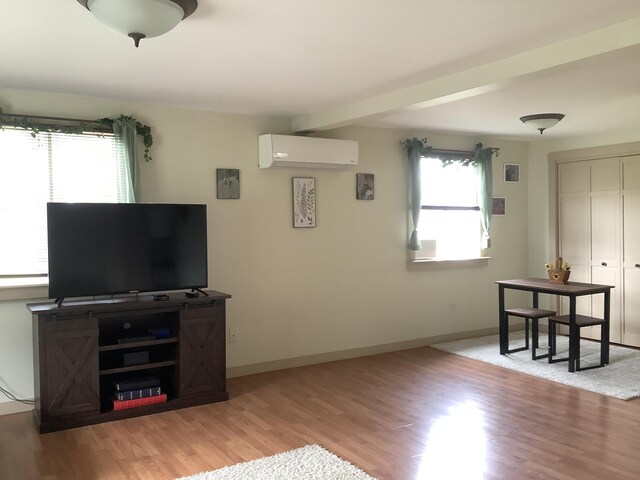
x=306, y=152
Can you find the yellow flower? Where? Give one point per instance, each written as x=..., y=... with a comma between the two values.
x=565, y=266
x=548, y=266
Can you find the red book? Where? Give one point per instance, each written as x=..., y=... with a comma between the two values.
x=139, y=402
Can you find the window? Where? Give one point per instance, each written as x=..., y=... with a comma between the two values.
x=50, y=167
x=449, y=226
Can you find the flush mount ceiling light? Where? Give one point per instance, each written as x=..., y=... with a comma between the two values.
x=140, y=18
x=542, y=121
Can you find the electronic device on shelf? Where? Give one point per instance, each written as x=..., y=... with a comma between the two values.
x=115, y=248
x=138, y=337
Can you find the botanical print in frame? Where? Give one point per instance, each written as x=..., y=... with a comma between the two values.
x=228, y=183
x=499, y=206
x=364, y=186
x=511, y=172
x=304, y=202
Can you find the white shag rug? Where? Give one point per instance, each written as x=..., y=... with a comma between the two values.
x=619, y=379
x=307, y=463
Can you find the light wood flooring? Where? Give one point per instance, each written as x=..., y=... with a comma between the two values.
x=418, y=413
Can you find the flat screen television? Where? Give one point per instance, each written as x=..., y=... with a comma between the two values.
x=115, y=248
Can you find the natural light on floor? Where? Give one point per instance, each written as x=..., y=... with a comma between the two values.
x=456, y=446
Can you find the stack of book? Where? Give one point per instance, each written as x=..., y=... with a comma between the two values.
x=137, y=391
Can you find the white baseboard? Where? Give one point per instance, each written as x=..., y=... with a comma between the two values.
x=284, y=363
x=11, y=407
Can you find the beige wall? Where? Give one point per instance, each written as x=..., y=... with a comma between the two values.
x=342, y=285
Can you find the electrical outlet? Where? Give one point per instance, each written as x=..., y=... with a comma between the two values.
x=233, y=335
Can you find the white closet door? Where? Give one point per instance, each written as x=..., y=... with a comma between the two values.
x=573, y=223
x=631, y=249
x=605, y=241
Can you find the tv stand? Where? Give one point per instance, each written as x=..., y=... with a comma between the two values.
x=77, y=355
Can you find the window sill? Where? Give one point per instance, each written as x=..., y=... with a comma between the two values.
x=23, y=288
x=435, y=264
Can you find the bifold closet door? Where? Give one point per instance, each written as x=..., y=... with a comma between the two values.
x=573, y=227
x=589, y=234
x=631, y=249
x=605, y=231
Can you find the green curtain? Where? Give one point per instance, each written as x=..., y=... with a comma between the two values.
x=415, y=149
x=125, y=130
x=485, y=200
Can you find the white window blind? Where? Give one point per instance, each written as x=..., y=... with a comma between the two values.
x=449, y=219
x=49, y=167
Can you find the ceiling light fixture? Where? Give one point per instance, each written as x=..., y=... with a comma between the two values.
x=542, y=121
x=140, y=18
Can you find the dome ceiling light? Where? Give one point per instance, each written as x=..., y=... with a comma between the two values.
x=140, y=19
x=542, y=121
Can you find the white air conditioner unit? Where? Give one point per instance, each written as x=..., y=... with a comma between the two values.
x=307, y=152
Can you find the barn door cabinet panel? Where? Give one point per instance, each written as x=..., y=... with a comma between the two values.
x=202, y=352
x=82, y=348
x=68, y=365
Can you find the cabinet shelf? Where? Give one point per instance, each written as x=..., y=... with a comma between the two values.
x=135, y=368
x=145, y=343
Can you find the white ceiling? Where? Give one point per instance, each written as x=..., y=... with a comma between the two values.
x=465, y=66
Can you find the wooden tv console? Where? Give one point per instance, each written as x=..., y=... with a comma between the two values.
x=81, y=347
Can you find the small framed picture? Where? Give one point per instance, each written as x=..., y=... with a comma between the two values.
x=364, y=186
x=499, y=206
x=228, y=183
x=511, y=172
x=304, y=202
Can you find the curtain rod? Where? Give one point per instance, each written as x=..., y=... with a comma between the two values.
x=59, y=120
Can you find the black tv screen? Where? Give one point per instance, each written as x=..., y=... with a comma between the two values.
x=110, y=248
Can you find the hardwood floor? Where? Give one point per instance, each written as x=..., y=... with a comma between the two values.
x=414, y=414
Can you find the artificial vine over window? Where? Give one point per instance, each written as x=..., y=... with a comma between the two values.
x=142, y=130
x=37, y=124
x=426, y=150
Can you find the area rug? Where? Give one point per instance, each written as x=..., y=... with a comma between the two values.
x=307, y=463
x=619, y=379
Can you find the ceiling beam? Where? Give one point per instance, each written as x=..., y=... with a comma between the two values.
x=478, y=80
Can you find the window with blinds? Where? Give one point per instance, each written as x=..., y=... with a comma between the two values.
x=50, y=167
x=449, y=219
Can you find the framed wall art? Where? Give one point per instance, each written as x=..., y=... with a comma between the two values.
x=304, y=202
x=364, y=186
x=499, y=206
x=228, y=183
x=511, y=172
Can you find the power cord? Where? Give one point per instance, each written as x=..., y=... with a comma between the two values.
x=11, y=396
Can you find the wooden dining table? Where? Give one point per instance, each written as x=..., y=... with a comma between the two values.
x=572, y=290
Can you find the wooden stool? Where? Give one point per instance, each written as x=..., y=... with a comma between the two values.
x=533, y=314
x=581, y=321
